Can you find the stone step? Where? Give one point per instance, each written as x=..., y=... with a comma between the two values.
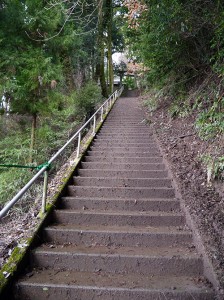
x=124, y=148
x=117, y=121
x=116, y=118
x=109, y=135
x=116, y=236
x=112, y=119
x=123, y=159
x=146, y=134
x=157, y=261
x=125, y=139
x=126, y=126
x=122, y=182
x=122, y=218
x=122, y=173
x=120, y=132
x=122, y=166
x=123, y=153
x=67, y=285
x=125, y=120
x=122, y=144
x=79, y=203
x=125, y=123
x=120, y=192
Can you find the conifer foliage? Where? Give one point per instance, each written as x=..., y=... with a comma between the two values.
x=55, y=65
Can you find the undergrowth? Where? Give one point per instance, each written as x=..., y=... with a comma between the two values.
x=205, y=101
x=53, y=130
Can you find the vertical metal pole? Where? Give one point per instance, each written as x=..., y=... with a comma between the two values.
x=94, y=125
x=107, y=107
x=78, y=148
x=44, y=192
x=101, y=116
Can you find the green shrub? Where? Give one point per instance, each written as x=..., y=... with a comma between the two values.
x=12, y=180
x=210, y=122
x=129, y=82
x=214, y=165
x=86, y=99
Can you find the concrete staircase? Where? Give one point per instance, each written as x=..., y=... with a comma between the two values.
x=119, y=233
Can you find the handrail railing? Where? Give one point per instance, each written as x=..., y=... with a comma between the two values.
x=44, y=170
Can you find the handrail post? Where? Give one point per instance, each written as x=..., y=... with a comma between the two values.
x=44, y=197
x=78, y=147
x=101, y=115
x=94, y=125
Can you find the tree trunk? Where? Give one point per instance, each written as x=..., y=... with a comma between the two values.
x=69, y=72
x=109, y=18
x=121, y=79
x=97, y=71
x=33, y=136
x=101, y=50
x=102, y=73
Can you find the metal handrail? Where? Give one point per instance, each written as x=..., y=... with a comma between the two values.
x=108, y=103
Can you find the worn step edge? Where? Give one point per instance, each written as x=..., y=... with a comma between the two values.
x=132, y=130
x=116, y=218
x=124, y=153
x=124, y=143
x=124, y=137
x=124, y=124
x=123, y=159
x=123, y=180
x=139, y=134
x=123, y=173
x=49, y=291
x=153, y=149
x=165, y=205
x=121, y=133
x=123, y=166
x=114, y=137
x=126, y=140
x=109, y=125
x=121, y=192
x=186, y=265
x=114, y=236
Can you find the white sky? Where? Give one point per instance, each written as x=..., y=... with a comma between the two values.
x=118, y=57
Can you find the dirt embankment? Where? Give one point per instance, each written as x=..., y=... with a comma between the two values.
x=182, y=148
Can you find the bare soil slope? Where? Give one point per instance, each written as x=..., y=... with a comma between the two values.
x=182, y=147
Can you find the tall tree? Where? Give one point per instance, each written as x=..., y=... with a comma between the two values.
x=109, y=18
x=31, y=68
x=100, y=68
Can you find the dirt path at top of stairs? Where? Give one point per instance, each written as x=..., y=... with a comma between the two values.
x=119, y=232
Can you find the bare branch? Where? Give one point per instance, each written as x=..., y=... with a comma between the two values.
x=72, y=15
